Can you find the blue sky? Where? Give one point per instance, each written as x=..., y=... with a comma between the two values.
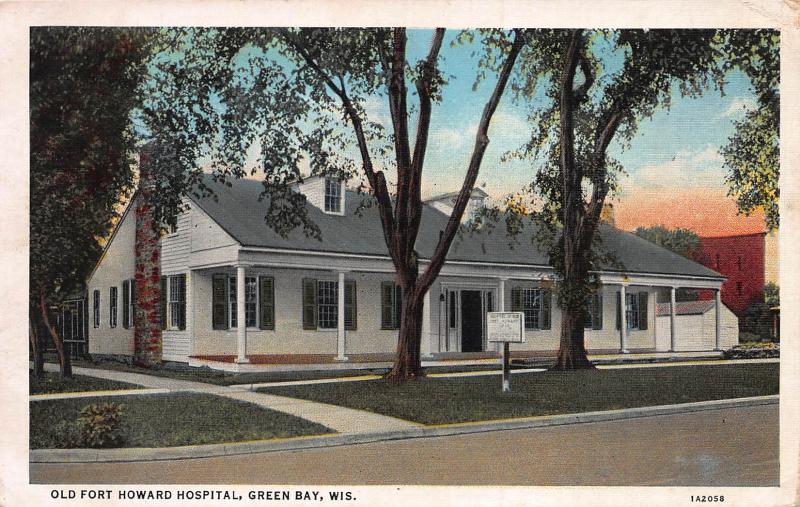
x=674, y=154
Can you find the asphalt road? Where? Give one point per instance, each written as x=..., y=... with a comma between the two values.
x=730, y=447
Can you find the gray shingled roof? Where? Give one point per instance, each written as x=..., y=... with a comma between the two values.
x=239, y=212
x=686, y=307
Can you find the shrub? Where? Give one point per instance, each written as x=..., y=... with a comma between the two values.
x=101, y=425
x=754, y=350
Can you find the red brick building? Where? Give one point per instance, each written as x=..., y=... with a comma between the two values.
x=741, y=260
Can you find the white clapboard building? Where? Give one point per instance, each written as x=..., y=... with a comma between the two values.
x=309, y=301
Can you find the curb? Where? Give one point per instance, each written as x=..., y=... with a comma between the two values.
x=322, y=441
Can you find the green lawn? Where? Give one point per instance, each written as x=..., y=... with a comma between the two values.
x=461, y=399
x=53, y=383
x=171, y=420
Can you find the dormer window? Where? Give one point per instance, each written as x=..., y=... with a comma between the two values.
x=333, y=196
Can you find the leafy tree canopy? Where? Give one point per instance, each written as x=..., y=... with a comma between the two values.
x=83, y=84
x=679, y=240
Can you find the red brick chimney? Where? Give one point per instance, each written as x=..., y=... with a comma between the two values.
x=147, y=294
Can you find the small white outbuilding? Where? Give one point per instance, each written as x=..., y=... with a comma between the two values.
x=695, y=326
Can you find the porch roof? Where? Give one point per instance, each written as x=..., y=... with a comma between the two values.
x=238, y=210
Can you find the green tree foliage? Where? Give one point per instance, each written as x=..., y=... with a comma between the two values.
x=258, y=100
x=82, y=90
x=586, y=89
x=679, y=240
x=772, y=296
x=752, y=154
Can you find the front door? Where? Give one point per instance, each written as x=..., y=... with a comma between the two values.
x=471, y=321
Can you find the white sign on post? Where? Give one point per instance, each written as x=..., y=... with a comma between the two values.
x=506, y=327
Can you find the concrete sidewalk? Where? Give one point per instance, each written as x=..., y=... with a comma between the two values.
x=343, y=420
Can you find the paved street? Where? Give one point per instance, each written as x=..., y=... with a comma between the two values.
x=731, y=447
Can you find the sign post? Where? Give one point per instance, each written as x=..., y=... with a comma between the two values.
x=506, y=327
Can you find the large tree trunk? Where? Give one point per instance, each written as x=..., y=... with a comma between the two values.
x=65, y=364
x=577, y=231
x=408, y=363
x=571, y=347
x=36, y=348
x=147, y=293
x=571, y=350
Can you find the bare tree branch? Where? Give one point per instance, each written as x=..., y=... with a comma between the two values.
x=425, y=91
x=481, y=142
x=399, y=110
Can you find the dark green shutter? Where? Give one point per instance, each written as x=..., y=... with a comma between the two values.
x=266, y=290
x=597, y=311
x=516, y=299
x=132, y=285
x=309, y=296
x=546, y=308
x=398, y=306
x=126, y=303
x=162, y=307
x=387, y=302
x=642, y=310
x=181, y=302
x=350, y=305
x=619, y=309
x=219, y=302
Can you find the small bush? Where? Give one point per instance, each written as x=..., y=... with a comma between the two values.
x=101, y=425
x=754, y=350
x=68, y=432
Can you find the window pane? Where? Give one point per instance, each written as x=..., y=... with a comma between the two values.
x=332, y=195
x=328, y=295
x=96, y=308
x=250, y=301
x=232, y=300
x=632, y=311
x=112, y=314
x=531, y=307
x=172, y=298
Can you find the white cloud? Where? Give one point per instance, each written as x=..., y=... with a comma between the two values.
x=698, y=169
x=377, y=110
x=738, y=106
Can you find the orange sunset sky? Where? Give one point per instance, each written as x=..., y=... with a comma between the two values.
x=706, y=211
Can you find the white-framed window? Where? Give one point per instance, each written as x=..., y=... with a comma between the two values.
x=333, y=195
x=632, y=311
x=177, y=302
x=391, y=305
x=328, y=304
x=128, y=303
x=534, y=303
x=250, y=301
x=635, y=310
x=594, y=311
x=112, y=307
x=96, y=309
x=532, y=307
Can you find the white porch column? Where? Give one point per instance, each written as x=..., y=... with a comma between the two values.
x=241, y=325
x=623, y=322
x=501, y=305
x=425, y=346
x=673, y=333
x=340, y=333
x=718, y=324
x=501, y=295
x=189, y=312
